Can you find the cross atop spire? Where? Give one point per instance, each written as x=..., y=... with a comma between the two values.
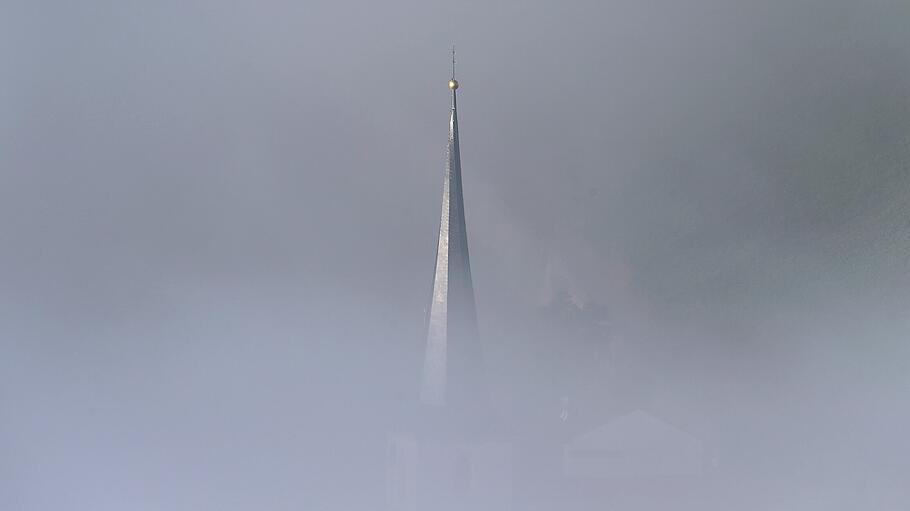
x=453, y=83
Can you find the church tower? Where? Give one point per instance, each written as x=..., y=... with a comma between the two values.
x=452, y=374
x=450, y=458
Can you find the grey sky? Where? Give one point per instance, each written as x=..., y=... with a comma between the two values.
x=193, y=191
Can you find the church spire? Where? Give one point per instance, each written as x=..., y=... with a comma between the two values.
x=452, y=372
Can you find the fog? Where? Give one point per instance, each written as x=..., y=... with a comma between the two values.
x=218, y=224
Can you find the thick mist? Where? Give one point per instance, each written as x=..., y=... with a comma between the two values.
x=218, y=221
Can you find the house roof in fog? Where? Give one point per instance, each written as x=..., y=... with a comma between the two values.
x=636, y=429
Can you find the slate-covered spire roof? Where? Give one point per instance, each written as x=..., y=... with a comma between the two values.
x=452, y=370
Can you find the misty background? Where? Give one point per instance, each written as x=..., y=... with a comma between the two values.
x=218, y=221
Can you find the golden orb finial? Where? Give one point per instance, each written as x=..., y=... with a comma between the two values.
x=453, y=84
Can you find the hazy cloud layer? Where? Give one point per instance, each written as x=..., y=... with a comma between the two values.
x=217, y=225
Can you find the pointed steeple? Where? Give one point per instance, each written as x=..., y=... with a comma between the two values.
x=452, y=370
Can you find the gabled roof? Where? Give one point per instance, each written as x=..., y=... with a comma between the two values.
x=633, y=430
